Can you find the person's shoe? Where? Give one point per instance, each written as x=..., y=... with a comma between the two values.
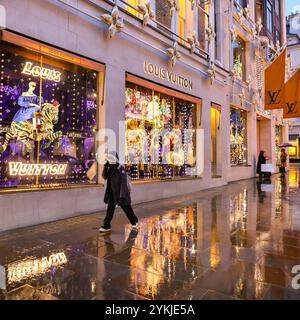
x=102, y=229
x=135, y=226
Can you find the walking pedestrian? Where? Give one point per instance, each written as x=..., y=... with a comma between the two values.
x=117, y=192
x=283, y=161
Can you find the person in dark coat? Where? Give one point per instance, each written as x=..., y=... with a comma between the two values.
x=283, y=161
x=261, y=160
x=117, y=192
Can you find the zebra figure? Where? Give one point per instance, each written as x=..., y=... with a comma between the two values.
x=23, y=131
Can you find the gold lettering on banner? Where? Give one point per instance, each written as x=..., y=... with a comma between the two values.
x=41, y=72
x=164, y=74
x=25, y=169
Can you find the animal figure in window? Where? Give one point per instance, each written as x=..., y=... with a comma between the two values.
x=25, y=131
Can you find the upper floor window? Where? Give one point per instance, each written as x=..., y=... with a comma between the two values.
x=239, y=58
x=134, y=3
x=270, y=16
x=277, y=7
x=242, y=3
x=163, y=13
x=203, y=22
x=258, y=10
x=181, y=18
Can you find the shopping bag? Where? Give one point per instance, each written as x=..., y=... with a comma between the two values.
x=267, y=187
x=268, y=167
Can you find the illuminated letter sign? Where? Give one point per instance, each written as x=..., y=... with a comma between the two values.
x=25, y=169
x=41, y=72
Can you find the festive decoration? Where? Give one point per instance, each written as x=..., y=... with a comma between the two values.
x=210, y=33
x=173, y=4
x=259, y=26
x=254, y=101
x=247, y=12
x=174, y=54
x=272, y=46
x=240, y=14
x=115, y=23
x=146, y=11
x=234, y=74
x=233, y=33
x=193, y=3
x=249, y=81
x=278, y=47
x=242, y=98
x=253, y=33
x=211, y=72
x=264, y=41
x=193, y=41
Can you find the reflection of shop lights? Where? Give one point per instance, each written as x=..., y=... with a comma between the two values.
x=44, y=73
x=33, y=267
x=24, y=169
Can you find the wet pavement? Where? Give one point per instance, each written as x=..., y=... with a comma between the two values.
x=239, y=241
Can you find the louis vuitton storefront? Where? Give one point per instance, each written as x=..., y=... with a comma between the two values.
x=63, y=97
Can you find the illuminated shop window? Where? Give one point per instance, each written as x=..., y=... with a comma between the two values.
x=47, y=121
x=238, y=137
x=239, y=58
x=293, y=152
x=160, y=135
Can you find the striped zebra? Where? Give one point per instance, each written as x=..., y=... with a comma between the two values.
x=24, y=131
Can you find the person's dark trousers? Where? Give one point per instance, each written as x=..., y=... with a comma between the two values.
x=111, y=210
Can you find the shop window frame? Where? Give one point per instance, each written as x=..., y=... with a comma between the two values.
x=139, y=81
x=44, y=49
x=246, y=162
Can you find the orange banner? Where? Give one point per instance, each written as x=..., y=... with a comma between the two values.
x=274, y=83
x=292, y=97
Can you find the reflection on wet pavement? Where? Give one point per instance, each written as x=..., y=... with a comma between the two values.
x=234, y=242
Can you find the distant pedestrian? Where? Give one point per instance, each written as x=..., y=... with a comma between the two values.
x=261, y=160
x=283, y=161
x=117, y=192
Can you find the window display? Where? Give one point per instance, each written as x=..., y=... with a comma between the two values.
x=238, y=137
x=47, y=120
x=160, y=134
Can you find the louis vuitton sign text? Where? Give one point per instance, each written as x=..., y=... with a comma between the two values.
x=162, y=73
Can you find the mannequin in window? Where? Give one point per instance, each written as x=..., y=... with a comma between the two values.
x=154, y=113
x=29, y=103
